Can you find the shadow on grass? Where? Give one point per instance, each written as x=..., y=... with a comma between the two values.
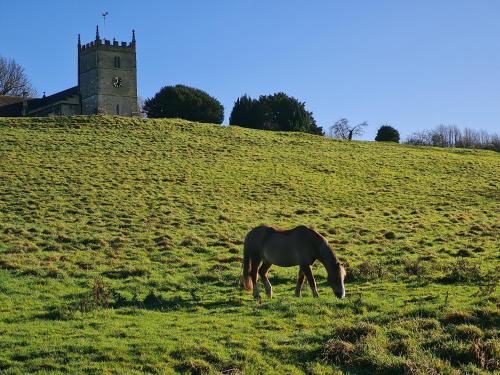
x=153, y=302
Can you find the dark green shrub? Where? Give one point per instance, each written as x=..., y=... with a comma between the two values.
x=278, y=112
x=184, y=102
x=387, y=133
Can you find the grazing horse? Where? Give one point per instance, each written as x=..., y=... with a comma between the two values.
x=301, y=246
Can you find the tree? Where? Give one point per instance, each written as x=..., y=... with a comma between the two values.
x=184, y=102
x=342, y=130
x=140, y=107
x=420, y=138
x=247, y=112
x=274, y=112
x=13, y=79
x=387, y=133
x=452, y=136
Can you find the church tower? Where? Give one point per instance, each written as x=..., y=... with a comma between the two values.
x=107, y=77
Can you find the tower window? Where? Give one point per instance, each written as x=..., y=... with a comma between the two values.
x=118, y=109
x=117, y=61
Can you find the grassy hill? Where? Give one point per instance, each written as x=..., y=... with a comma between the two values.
x=121, y=247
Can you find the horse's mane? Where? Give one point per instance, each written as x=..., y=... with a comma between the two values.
x=325, y=245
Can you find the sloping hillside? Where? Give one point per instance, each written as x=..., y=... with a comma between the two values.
x=121, y=246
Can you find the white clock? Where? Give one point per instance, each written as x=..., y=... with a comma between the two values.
x=117, y=81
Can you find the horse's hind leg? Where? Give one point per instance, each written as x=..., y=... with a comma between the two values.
x=263, y=274
x=300, y=282
x=310, y=278
x=256, y=262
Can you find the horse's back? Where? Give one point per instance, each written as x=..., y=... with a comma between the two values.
x=283, y=247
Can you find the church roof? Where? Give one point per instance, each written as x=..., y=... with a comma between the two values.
x=7, y=99
x=15, y=108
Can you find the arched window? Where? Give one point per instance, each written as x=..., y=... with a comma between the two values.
x=118, y=109
x=117, y=61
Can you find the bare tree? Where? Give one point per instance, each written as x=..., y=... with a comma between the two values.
x=342, y=130
x=452, y=136
x=13, y=79
x=140, y=107
x=420, y=138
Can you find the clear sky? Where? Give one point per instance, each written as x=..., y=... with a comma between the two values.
x=412, y=64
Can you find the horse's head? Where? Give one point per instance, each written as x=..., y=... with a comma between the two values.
x=336, y=277
x=336, y=271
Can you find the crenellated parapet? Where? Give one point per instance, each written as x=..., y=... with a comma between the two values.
x=100, y=43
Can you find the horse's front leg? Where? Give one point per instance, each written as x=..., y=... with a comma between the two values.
x=263, y=274
x=300, y=282
x=310, y=278
x=253, y=274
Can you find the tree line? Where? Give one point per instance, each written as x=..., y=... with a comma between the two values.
x=269, y=112
x=277, y=112
x=453, y=136
x=281, y=112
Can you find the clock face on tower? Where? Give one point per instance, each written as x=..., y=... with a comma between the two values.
x=117, y=81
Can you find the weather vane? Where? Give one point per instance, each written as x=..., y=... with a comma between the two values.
x=104, y=14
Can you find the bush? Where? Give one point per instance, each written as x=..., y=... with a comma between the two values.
x=184, y=102
x=278, y=112
x=387, y=133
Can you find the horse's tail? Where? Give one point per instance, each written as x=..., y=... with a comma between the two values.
x=247, y=266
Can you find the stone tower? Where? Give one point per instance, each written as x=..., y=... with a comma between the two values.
x=107, y=77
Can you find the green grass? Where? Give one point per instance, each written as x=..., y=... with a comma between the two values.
x=121, y=246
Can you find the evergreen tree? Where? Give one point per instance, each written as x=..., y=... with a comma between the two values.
x=278, y=112
x=387, y=133
x=184, y=102
x=246, y=113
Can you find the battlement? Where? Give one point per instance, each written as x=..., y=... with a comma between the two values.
x=99, y=43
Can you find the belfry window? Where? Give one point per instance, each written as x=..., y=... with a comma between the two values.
x=117, y=61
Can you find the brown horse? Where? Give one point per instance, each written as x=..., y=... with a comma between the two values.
x=301, y=246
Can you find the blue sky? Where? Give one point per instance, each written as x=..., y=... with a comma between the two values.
x=412, y=64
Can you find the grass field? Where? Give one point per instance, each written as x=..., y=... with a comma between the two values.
x=121, y=247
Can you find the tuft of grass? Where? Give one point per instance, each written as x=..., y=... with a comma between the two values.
x=366, y=271
x=338, y=352
x=355, y=332
x=416, y=267
x=457, y=317
x=97, y=298
x=467, y=332
x=464, y=271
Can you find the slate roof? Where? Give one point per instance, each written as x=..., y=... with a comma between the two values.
x=7, y=99
x=15, y=109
